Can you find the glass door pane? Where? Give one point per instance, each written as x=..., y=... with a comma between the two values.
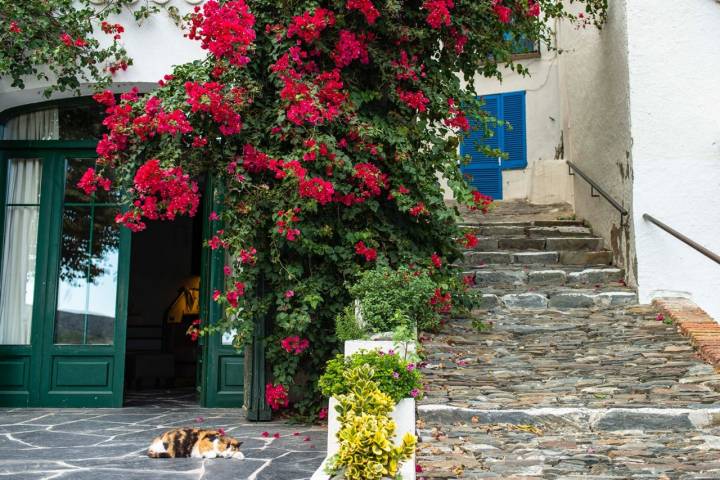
x=89, y=260
x=17, y=281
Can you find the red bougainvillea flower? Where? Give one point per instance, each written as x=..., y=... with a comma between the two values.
x=438, y=12
x=471, y=241
x=221, y=104
x=371, y=180
x=295, y=344
x=533, y=8
x=460, y=40
x=350, y=47
x=67, y=39
x=14, y=28
x=407, y=68
x=317, y=188
x=284, y=223
x=224, y=30
x=248, y=256
x=234, y=295
x=419, y=209
x=415, y=100
x=114, y=29
x=441, y=303
x=365, y=7
x=308, y=26
x=456, y=118
x=323, y=414
x=370, y=254
x=276, y=396
x=504, y=13
x=436, y=260
x=161, y=194
x=90, y=181
x=480, y=202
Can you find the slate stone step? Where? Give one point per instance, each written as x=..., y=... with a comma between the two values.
x=501, y=231
x=566, y=299
x=577, y=418
x=544, y=276
x=530, y=223
x=490, y=244
x=565, y=257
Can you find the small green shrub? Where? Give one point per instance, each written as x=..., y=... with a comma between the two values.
x=394, y=375
x=365, y=439
x=391, y=300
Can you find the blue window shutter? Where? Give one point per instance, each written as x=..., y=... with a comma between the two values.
x=483, y=172
x=515, y=140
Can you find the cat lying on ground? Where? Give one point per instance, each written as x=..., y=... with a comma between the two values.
x=195, y=443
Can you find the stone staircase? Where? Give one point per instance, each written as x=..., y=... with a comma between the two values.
x=544, y=264
x=573, y=380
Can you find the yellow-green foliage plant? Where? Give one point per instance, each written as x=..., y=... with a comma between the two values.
x=366, y=449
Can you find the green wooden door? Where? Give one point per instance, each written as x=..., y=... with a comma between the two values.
x=222, y=365
x=23, y=182
x=76, y=354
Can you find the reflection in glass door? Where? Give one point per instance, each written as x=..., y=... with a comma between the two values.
x=90, y=241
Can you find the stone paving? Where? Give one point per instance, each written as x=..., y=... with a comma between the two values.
x=564, y=390
x=109, y=444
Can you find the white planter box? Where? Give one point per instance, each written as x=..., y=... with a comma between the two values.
x=403, y=414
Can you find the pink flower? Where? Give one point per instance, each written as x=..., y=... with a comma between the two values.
x=309, y=26
x=295, y=344
x=289, y=294
x=365, y=7
x=502, y=11
x=225, y=30
x=265, y=434
x=436, y=260
x=370, y=254
x=414, y=392
x=323, y=414
x=213, y=216
x=276, y=397
x=438, y=12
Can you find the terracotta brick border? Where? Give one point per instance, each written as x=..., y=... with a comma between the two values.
x=694, y=323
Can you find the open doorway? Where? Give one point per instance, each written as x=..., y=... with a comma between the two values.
x=162, y=361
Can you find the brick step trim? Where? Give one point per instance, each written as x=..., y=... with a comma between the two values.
x=694, y=323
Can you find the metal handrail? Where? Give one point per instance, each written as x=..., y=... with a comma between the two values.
x=594, y=187
x=711, y=255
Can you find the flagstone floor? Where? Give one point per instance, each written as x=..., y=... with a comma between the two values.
x=110, y=444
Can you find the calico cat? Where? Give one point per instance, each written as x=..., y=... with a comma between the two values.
x=195, y=443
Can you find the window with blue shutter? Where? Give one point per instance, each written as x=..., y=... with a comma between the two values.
x=514, y=135
x=485, y=173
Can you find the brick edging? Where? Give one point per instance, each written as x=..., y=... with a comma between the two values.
x=693, y=322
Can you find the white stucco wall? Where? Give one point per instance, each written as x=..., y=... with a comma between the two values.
x=596, y=125
x=545, y=180
x=674, y=66
x=155, y=47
